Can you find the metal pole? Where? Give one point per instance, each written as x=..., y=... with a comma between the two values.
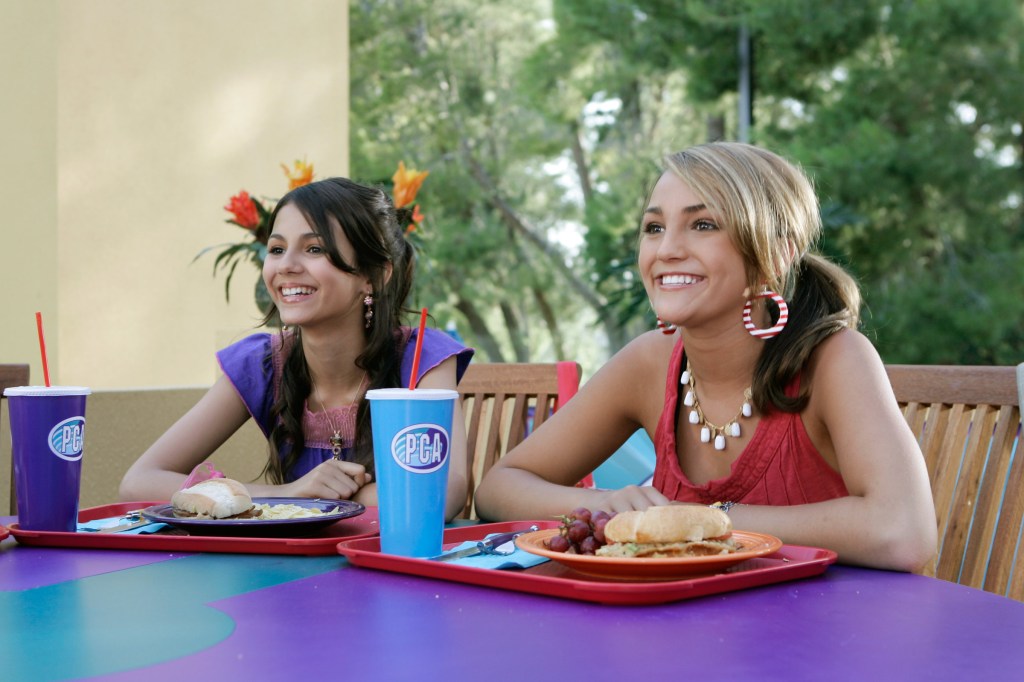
x=746, y=100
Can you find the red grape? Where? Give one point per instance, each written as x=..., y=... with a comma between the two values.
x=558, y=543
x=578, y=530
x=581, y=513
x=582, y=532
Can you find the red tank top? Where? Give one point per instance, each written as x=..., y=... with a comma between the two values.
x=780, y=466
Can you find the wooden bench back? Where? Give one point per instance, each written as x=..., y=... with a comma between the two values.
x=503, y=403
x=968, y=423
x=12, y=375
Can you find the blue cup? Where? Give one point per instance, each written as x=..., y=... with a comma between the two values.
x=411, y=451
x=47, y=437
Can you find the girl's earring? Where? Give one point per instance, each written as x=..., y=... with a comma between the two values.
x=368, y=314
x=665, y=327
x=777, y=327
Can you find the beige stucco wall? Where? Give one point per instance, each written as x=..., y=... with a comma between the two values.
x=126, y=125
x=28, y=173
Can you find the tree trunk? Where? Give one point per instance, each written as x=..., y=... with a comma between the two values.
x=548, y=315
x=489, y=345
x=582, y=168
x=715, y=127
x=515, y=332
x=590, y=296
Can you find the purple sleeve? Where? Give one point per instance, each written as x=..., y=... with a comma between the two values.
x=437, y=347
x=249, y=367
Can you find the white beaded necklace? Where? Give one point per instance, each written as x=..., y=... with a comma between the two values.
x=707, y=429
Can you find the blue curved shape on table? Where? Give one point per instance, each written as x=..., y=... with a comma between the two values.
x=129, y=633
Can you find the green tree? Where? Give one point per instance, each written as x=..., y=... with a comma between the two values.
x=538, y=121
x=441, y=84
x=907, y=114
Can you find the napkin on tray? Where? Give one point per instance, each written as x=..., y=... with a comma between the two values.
x=100, y=524
x=518, y=558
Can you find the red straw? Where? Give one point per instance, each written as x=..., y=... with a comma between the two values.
x=419, y=348
x=42, y=347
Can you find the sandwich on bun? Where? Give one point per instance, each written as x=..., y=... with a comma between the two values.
x=216, y=498
x=676, y=530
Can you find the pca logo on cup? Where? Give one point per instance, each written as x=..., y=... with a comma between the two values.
x=66, y=439
x=421, y=448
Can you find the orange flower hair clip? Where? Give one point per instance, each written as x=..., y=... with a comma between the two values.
x=407, y=184
x=300, y=174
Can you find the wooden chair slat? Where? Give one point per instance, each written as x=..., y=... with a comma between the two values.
x=968, y=423
x=934, y=423
x=990, y=498
x=518, y=414
x=1006, y=562
x=472, y=405
x=496, y=401
x=493, y=440
x=963, y=508
x=13, y=375
x=543, y=404
x=947, y=465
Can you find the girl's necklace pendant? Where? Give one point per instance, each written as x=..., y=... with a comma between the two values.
x=336, y=442
x=712, y=433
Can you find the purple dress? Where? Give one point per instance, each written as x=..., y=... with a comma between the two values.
x=253, y=366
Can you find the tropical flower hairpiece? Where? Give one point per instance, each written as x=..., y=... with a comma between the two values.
x=301, y=173
x=407, y=184
x=253, y=215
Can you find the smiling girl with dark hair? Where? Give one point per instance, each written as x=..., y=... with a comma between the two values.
x=339, y=271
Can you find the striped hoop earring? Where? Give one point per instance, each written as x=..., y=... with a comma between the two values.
x=771, y=331
x=665, y=327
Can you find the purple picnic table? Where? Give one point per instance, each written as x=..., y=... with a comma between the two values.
x=130, y=615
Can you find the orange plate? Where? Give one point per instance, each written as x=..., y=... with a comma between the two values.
x=625, y=568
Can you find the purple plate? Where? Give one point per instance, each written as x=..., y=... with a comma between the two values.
x=333, y=510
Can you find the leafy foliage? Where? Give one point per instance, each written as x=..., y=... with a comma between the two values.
x=543, y=125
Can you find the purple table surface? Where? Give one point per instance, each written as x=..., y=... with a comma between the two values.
x=68, y=614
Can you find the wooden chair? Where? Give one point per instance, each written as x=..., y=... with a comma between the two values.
x=503, y=403
x=968, y=423
x=13, y=375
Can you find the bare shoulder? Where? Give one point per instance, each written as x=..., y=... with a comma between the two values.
x=645, y=356
x=846, y=350
x=652, y=342
x=845, y=364
x=634, y=378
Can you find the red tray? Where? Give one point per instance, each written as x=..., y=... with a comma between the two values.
x=555, y=580
x=4, y=533
x=324, y=542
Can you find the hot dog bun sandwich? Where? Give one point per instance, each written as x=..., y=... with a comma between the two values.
x=216, y=498
x=669, y=531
